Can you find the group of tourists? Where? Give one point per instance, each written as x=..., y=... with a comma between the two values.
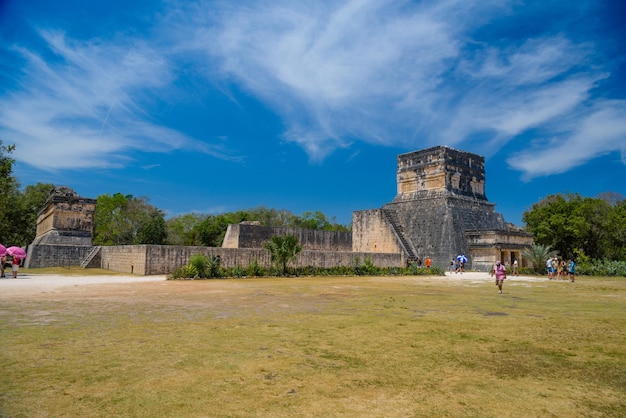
x=15, y=265
x=559, y=269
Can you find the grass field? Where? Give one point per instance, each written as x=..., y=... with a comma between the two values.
x=346, y=346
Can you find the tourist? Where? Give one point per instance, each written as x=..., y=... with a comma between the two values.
x=571, y=269
x=564, y=269
x=452, y=265
x=515, y=267
x=500, y=272
x=460, y=266
x=428, y=262
x=16, y=266
x=549, y=267
x=3, y=260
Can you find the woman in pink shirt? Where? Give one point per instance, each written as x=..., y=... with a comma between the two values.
x=500, y=272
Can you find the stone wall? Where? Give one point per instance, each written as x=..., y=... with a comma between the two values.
x=39, y=256
x=371, y=233
x=253, y=236
x=163, y=259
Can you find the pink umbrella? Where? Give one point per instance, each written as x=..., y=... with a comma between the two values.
x=3, y=250
x=16, y=252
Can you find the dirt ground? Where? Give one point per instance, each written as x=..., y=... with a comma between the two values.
x=46, y=285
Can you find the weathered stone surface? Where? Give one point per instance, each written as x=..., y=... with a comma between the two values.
x=163, y=259
x=64, y=230
x=440, y=200
x=66, y=218
x=250, y=235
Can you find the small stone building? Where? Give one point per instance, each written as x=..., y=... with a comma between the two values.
x=440, y=211
x=64, y=230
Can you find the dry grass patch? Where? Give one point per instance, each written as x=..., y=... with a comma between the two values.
x=350, y=346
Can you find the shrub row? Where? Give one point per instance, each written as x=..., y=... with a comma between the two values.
x=201, y=267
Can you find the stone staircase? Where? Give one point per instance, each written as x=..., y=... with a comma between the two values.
x=407, y=246
x=90, y=256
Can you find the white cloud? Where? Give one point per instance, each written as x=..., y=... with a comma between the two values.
x=83, y=107
x=399, y=73
x=394, y=72
x=597, y=131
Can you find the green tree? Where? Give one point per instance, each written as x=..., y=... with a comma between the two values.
x=574, y=225
x=184, y=229
x=123, y=220
x=30, y=201
x=283, y=249
x=10, y=211
x=213, y=229
x=537, y=254
x=616, y=230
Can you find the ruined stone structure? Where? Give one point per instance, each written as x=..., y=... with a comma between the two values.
x=252, y=235
x=440, y=211
x=64, y=229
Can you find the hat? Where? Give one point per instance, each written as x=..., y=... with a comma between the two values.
x=498, y=262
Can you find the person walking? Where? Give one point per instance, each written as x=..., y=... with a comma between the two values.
x=549, y=267
x=500, y=272
x=16, y=266
x=571, y=269
x=515, y=267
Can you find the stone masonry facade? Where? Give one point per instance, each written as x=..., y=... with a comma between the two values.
x=440, y=210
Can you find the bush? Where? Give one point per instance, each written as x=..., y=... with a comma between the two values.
x=255, y=270
x=184, y=272
x=200, y=263
x=201, y=267
x=601, y=268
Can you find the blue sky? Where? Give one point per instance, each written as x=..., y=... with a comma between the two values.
x=214, y=106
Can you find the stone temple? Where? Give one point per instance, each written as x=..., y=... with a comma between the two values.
x=440, y=211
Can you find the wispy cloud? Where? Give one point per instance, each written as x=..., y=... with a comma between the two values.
x=406, y=74
x=596, y=131
x=393, y=72
x=85, y=106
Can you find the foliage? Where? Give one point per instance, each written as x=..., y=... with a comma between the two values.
x=537, y=254
x=255, y=270
x=8, y=195
x=18, y=209
x=185, y=272
x=570, y=223
x=606, y=268
x=212, y=230
x=366, y=268
x=31, y=201
x=123, y=220
x=283, y=249
x=184, y=229
x=209, y=230
x=200, y=263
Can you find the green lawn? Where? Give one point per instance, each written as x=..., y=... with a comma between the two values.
x=347, y=346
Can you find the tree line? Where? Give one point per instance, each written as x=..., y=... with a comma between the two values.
x=126, y=219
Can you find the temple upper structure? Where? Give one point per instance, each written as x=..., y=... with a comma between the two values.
x=440, y=211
